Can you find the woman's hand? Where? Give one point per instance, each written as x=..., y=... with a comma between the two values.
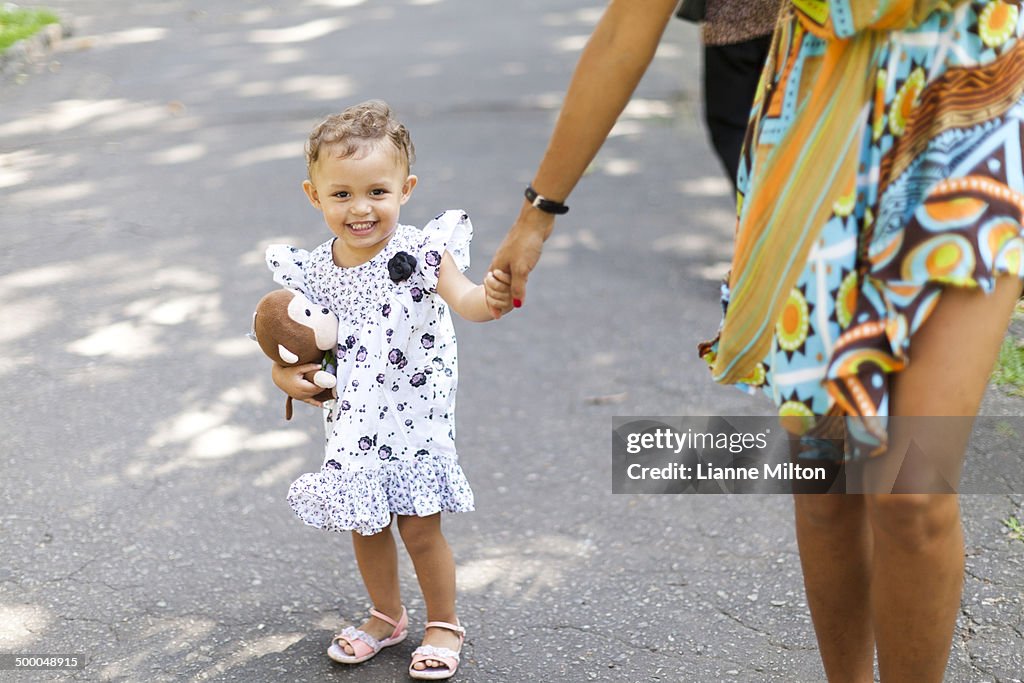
x=290, y=380
x=520, y=251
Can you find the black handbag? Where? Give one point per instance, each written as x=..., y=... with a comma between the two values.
x=692, y=10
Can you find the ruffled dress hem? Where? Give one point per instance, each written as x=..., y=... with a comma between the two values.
x=364, y=499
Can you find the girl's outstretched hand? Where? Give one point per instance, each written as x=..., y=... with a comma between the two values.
x=498, y=293
x=290, y=380
x=520, y=250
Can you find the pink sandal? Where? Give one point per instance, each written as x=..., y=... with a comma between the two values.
x=364, y=646
x=450, y=658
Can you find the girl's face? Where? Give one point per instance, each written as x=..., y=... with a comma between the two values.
x=360, y=198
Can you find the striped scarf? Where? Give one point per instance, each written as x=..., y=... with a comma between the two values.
x=794, y=183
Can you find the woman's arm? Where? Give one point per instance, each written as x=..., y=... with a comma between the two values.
x=612, y=64
x=469, y=299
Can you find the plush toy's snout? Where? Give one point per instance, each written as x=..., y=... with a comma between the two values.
x=292, y=330
x=320, y=320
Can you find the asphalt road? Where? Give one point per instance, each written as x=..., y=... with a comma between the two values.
x=144, y=166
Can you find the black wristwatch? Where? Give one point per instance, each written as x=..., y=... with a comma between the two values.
x=544, y=204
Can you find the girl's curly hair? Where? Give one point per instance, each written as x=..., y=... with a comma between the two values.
x=356, y=128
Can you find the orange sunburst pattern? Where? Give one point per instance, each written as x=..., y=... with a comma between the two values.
x=997, y=22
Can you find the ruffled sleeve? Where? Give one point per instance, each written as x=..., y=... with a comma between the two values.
x=450, y=231
x=288, y=264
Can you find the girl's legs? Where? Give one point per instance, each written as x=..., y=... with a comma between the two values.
x=917, y=573
x=377, y=558
x=435, y=570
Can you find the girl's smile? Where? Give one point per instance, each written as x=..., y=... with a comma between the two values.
x=362, y=229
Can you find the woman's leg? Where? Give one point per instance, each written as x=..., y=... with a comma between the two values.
x=435, y=571
x=917, y=576
x=835, y=554
x=377, y=558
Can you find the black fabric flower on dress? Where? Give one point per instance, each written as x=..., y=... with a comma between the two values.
x=401, y=266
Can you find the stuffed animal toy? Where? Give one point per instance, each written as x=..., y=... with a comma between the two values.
x=292, y=330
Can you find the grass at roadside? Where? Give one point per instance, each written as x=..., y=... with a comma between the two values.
x=1009, y=370
x=1014, y=528
x=17, y=23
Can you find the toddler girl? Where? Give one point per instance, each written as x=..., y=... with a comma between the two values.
x=391, y=430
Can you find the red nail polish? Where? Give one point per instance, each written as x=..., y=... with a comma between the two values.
x=517, y=303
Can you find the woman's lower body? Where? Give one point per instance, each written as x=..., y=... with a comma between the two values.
x=899, y=313
x=885, y=571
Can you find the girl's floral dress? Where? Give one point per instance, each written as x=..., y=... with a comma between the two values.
x=391, y=431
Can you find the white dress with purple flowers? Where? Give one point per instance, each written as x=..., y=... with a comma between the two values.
x=391, y=431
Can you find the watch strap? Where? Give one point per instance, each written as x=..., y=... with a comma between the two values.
x=543, y=203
